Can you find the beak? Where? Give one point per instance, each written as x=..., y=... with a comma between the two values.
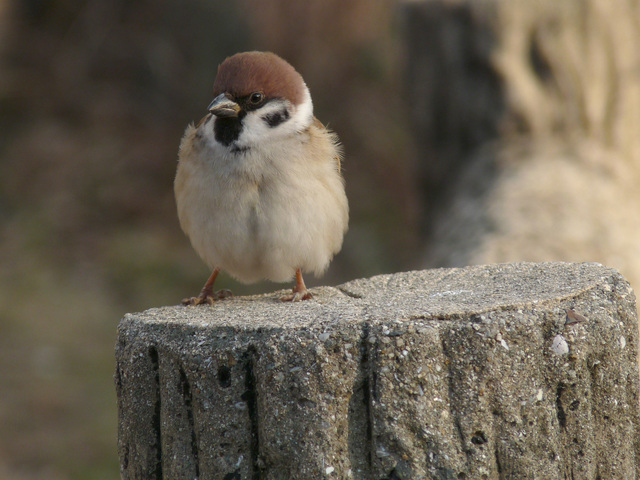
x=222, y=106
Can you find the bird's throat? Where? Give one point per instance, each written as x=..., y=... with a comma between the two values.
x=228, y=130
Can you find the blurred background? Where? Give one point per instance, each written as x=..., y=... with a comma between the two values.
x=474, y=132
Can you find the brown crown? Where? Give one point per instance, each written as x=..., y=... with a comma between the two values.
x=248, y=72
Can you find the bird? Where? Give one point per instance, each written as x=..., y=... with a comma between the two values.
x=259, y=186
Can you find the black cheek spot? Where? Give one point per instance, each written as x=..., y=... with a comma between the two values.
x=276, y=118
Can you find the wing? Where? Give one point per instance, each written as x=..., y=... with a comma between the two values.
x=334, y=138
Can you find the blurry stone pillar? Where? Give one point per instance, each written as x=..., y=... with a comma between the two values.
x=526, y=116
x=447, y=374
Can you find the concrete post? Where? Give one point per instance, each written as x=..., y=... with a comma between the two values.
x=439, y=374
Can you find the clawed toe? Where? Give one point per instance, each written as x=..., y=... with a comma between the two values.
x=200, y=300
x=299, y=292
x=207, y=299
x=297, y=296
x=222, y=294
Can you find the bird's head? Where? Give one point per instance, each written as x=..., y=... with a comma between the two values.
x=258, y=98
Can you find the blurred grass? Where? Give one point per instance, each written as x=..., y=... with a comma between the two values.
x=94, y=97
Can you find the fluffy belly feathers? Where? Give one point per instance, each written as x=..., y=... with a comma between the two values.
x=268, y=228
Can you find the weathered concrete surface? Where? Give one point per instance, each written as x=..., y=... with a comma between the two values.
x=440, y=374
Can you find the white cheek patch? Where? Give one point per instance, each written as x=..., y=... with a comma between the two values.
x=303, y=116
x=277, y=119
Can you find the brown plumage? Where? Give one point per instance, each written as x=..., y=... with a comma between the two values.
x=265, y=72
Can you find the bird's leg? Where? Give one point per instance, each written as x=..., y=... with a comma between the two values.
x=300, y=291
x=207, y=294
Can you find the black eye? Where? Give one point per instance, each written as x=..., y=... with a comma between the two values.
x=256, y=98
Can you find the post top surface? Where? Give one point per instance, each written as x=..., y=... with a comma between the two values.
x=426, y=294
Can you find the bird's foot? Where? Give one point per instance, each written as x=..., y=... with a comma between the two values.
x=299, y=292
x=206, y=298
x=296, y=296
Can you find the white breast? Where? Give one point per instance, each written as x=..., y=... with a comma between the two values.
x=262, y=214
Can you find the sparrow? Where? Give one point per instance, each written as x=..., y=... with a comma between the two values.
x=258, y=188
